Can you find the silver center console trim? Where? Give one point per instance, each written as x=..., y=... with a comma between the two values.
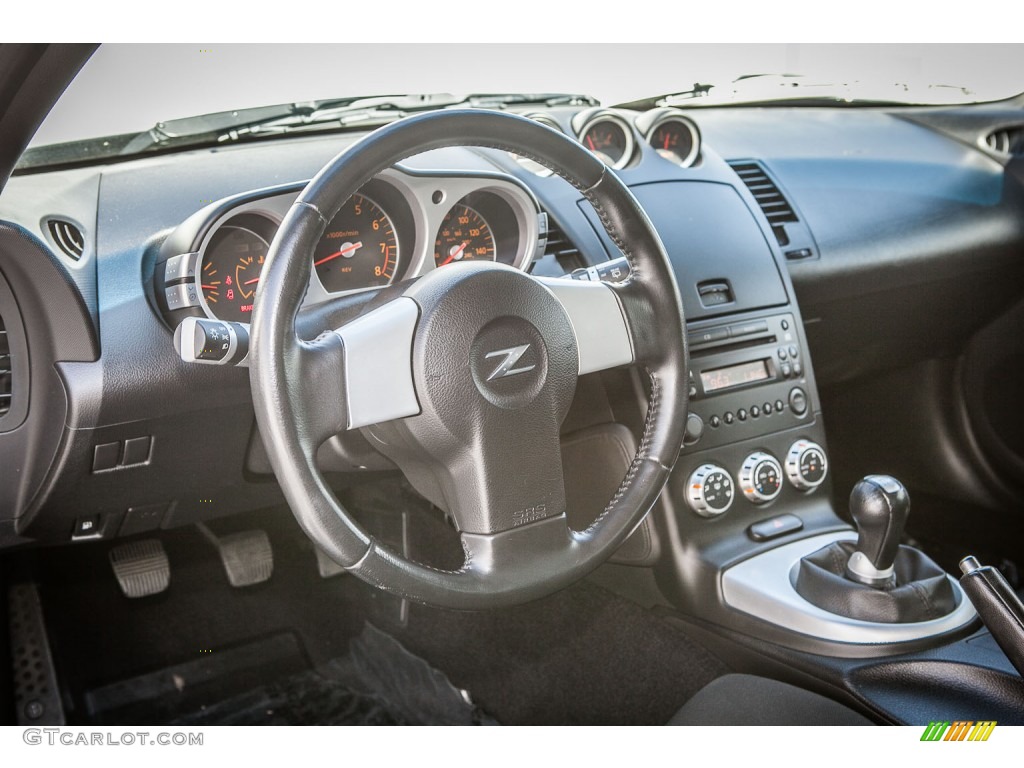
x=763, y=587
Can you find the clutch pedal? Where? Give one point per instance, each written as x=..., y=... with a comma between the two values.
x=247, y=556
x=141, y=567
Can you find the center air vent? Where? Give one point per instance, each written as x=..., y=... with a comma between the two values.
x=1007, y=141
x=67, y=237
x=561, y=256
x=791, y=233
x=6, y=373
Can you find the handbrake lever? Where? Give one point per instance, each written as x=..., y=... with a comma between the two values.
x=998, y=605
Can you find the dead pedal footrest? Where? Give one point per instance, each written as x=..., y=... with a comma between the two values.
x=247, y=556
x=141, y=567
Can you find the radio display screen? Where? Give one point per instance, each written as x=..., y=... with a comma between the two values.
x=734, y=376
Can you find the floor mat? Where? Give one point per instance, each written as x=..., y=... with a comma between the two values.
x=268, y=682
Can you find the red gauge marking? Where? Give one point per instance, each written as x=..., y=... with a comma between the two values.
x=342, y=252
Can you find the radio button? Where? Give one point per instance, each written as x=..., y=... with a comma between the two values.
x=779, y=405
x=694, y=429
x=793, y=351
x=755, y=411
x=741, y=414
x=708, y=336
x=715, y=422
x=767, y=409
x=728, y=418
x=782, y=353
x=798, y=369
x=787, y=371
x=760, y=478
x=798, y=401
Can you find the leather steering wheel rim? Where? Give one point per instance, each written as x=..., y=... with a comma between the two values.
x=506, y=562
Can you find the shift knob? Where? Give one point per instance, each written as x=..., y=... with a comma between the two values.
x=879, y=505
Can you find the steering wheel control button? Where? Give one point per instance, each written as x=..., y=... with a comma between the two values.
x=775, y=527
x=709, y=491
x=760, y=478
x=806, y=465
x=181, y=296
x=798, y=401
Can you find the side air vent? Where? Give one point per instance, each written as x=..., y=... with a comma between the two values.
x=68, y=237
x=6, y=373
x=1007, y=141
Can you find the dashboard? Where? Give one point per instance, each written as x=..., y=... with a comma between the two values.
x=799, y=239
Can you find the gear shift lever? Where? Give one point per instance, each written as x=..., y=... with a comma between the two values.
x=879, y=505
x=876, y=579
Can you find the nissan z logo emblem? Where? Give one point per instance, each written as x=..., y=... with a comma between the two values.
x=511, y=357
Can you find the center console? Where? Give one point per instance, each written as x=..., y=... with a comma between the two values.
x=754, y=557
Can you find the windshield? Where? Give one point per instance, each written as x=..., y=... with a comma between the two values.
x=126, y=90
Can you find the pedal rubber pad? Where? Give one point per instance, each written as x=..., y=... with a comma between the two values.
x=141, y=567
x=247, y=557
x=325, y=565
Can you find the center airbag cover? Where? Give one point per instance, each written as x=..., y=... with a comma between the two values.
x=492, y=344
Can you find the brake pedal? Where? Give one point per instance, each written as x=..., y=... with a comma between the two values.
x=141, y=567
x=247, y=556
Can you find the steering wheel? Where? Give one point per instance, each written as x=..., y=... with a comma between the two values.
x=464, y=377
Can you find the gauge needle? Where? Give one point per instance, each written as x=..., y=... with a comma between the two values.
x=250, y=282
x=455, y=254
x=590, y=141
x=342, y=252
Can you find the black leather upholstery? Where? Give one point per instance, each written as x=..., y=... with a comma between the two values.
x=751, y=700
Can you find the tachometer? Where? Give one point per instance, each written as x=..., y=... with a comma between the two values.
x=464, y=235
x=359, y=248
x=676, y=139
x=231, y=271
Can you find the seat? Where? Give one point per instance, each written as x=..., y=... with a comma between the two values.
x=750, y=700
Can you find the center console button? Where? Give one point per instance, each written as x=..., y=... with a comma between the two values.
x=741, y=414
x=760, y=478
x=798, y=401
x=709, y=490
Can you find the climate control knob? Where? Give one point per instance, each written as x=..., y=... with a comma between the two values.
x=806, y=465
x=760, y=478
x=709, y=491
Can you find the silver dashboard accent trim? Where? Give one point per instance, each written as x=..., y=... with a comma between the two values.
x=378, y=364
x=762, y=587
x=602, y=338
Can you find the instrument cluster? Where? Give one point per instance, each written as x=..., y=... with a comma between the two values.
x=399, y=225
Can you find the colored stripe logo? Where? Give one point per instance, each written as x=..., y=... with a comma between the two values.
x=960, y=730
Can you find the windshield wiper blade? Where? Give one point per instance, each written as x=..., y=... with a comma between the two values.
x=218, y=127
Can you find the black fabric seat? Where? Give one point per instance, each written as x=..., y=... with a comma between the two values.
x=751, y=700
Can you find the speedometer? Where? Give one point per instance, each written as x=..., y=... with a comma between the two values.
x=464, y=235
x=359, y=248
